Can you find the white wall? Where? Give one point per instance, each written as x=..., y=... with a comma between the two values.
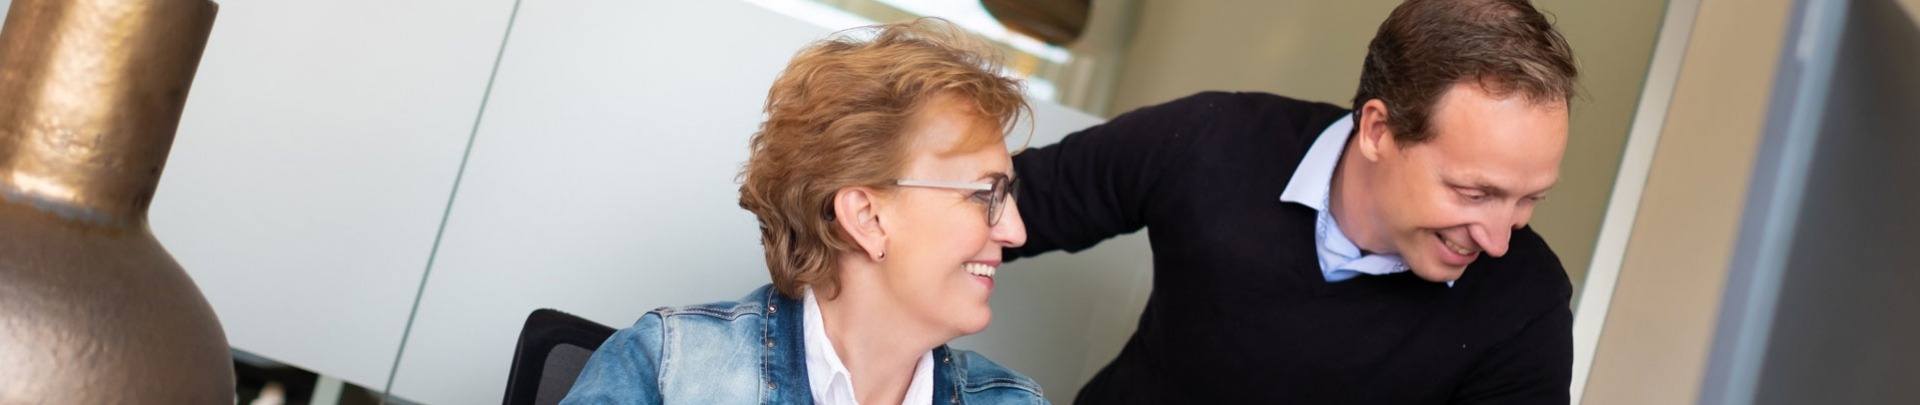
x=312, y=165
x=602, y=183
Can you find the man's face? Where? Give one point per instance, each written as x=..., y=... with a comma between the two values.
x=1462, y=192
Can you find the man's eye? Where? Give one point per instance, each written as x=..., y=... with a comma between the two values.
x=982, y=196
x=1474, y=197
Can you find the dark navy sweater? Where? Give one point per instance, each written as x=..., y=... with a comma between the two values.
x=1240, y=311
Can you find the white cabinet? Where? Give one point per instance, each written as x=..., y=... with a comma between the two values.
x=312, y=165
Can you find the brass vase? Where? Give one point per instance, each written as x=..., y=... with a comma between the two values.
x=92, y=309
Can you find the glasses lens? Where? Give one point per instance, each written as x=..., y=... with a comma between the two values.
x=1002, y=188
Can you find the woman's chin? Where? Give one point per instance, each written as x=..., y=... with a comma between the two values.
x=975, y=323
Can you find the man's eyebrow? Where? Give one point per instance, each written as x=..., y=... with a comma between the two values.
x=1543, y=190
x=1550, y=186
x=1493, y=190
x=1477, y=183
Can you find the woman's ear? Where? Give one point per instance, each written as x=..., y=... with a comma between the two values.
x=1372, y=130
x=857, y=211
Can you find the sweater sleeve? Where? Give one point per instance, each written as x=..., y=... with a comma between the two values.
x=1535, y=368
x=1100, y=182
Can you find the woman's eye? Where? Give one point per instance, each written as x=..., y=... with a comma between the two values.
x=982, y=196
x=1474, y=197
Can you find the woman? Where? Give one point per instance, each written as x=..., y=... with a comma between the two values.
x=881, y=181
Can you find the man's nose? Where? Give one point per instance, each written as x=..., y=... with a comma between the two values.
x=1494, y=233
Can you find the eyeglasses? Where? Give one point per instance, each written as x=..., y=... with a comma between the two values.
x=995, y=194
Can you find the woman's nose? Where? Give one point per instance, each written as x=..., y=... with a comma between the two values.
x=1011, y=231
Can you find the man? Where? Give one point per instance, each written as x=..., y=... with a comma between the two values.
x=1305, y=253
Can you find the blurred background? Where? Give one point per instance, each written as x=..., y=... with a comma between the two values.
x=374, y=194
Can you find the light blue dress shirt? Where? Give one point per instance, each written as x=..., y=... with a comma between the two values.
x=1311, y=185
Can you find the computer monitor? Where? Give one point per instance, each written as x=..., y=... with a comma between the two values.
x=1823, y=300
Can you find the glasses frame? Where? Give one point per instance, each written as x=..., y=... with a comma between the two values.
x=1002, y=189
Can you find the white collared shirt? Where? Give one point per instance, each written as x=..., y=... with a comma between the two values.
x=1311, y=185
x=828, y=377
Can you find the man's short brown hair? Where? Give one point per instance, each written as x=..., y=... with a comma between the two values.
x=1426, y=46
x=838, y=117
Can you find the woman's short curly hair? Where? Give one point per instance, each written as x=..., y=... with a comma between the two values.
x=839, y=116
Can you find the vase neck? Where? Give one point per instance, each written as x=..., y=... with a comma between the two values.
x=93, y=92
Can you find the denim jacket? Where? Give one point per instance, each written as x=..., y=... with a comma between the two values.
x=750, y=352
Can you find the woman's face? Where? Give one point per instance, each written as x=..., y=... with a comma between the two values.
x=941, y=252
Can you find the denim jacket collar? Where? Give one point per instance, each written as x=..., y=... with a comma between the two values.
x=785, y=365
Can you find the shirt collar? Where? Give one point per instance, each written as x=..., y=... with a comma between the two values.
x=1311, y=180
x=1311, y=185
x=829, y=379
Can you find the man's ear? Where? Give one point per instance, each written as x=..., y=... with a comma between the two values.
x=1373, y=133
x=857, y=212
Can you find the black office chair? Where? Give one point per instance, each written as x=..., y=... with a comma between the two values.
x=554, y=347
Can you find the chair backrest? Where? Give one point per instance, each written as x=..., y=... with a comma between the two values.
x=554, y=347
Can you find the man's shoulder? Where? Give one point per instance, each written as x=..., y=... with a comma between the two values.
x=1254, y=105
x=1530, y=271
x=1252, y=122
x=1543, y=266
x=1254, y=99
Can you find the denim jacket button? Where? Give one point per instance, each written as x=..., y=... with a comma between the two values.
x=769, y=342
x=771, y=309
x=770, y=385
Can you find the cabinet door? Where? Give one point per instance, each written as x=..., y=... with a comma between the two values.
x=312, y=166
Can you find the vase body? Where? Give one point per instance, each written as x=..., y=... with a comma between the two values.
x=92, y=309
